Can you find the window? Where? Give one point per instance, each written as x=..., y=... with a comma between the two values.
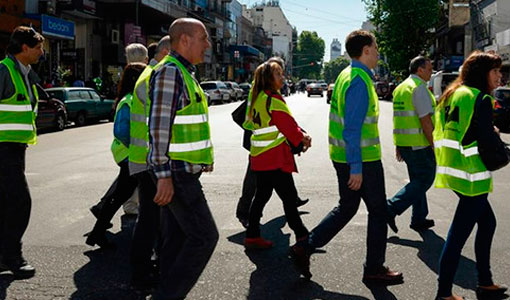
x=57, y=94
x=94, y=95
x=78, y=95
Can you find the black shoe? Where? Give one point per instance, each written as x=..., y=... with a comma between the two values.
x=100, y=240
x=424, y=225
x=96, y=210
x=301, y=202
x=244, y=222
x=19, y=268
x=493, y=292
x=391, y=223
x=301, y=259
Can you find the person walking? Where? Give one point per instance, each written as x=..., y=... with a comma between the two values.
x=180, y=150
x=355, y=151
x=464, y=125
x=124, y=185
x=250, y=179
x=273, y=128
x=413, y=108
x=147, y=224
x=18, y=108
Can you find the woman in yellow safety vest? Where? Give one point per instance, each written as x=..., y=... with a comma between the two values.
x=464, y=124
x=124, y=185
x=274, y=130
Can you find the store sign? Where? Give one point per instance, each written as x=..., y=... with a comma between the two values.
x=56, y=27
x=69, y=55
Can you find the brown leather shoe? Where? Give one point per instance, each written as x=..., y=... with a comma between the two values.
x=384, y=276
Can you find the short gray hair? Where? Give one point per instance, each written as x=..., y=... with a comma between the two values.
x=417, y=62
x=136, y=52
x=164, y=43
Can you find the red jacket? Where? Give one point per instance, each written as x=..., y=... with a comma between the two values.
x=281, y=156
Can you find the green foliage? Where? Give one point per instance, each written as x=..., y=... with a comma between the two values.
x=403, y=28
x=309, y=49
x=333, y=68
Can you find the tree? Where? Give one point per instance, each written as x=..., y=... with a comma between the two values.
x=403, y=28
x=308, y=54
x=333, y=68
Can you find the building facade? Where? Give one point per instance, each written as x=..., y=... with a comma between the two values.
x=335, y=49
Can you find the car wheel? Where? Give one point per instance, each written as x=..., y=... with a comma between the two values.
x=81, y=119
x=60, y=122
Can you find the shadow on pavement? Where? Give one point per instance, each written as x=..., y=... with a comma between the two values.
x=429, y=251
x=275, y=276
x=5, y=282
x=380, y=292
x=106, y=276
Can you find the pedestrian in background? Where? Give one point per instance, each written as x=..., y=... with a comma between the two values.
x=136, y=52
x=18, y=109
x=355, y=151
x=124, y=185
x=146, y=231
x=180, y=150
x=273, y=128
x=464, y=125
x=413, y=108
x=250, y=179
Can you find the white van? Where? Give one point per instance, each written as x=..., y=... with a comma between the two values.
x=439, y=82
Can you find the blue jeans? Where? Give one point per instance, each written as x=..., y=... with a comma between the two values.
x=421, y=166
x=373, y=193
x=470, y=211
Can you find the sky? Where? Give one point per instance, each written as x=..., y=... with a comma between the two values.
x=329, y=18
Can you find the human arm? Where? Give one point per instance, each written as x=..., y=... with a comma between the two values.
x=422, y=103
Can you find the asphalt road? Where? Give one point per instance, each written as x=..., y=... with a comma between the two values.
x=69, y=171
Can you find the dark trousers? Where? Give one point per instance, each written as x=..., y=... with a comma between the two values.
x=146, y=229
x=249, y=188
x=470, y=211
x=188, y=237
x=373, y=193
x=283, y=184
x=15, y=201
x=421, y=167
x=119, y=192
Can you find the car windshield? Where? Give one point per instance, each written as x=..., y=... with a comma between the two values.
x=208, y=86
x=502, y=95
x=57, y=94
x=222, y=85
x=315, y=85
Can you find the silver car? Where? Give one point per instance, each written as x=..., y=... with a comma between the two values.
x=217, y=90
x=236, y=91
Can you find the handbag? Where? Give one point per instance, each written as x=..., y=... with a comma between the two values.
x=497, y=158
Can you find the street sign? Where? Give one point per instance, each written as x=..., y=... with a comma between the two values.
x=56, y=27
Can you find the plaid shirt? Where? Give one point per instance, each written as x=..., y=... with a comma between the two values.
x=168, y=95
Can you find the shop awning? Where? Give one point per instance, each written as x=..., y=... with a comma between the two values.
x=245, y=50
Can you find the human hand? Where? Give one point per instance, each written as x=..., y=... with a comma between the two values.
x=165, y=191
x=355, y=181
x=307, y=142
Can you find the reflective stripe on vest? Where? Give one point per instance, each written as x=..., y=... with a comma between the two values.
x=119, y=151
x=407, y=128
x=191, y=137
x=370, y=145
x=265, y=136
x=459, y=167
x=139, y=123
x=17, y=117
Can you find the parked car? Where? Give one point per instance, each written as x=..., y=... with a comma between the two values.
x=502, y=109
x=323, y=84
x=83, y=104
x=51, y=112
x=246, y=89
x=314, y=89
x=439, y=81
x=238, y=92
x=217, y=90
x=208, y=97
x=329, y=92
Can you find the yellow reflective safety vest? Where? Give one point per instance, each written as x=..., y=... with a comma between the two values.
x=264, y=136
x=370, y=146
x=119, y=151
x=17, y=117
x=407, y=129
x=191, y=136
x=139, y=122
x=459, y=167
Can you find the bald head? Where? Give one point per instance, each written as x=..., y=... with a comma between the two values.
x=181, y=26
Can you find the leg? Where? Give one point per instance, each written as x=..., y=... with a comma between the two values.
x=193, y=217
x=465, y=218
x=249, y=188
x=15, y=199
x=425, y=175
x=286, y=190
x=483, y=242
x=374, y=195
x=146, y=230
x=340, y=215
x=262, y=196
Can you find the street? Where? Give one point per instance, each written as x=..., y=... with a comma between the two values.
x=69, y=171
